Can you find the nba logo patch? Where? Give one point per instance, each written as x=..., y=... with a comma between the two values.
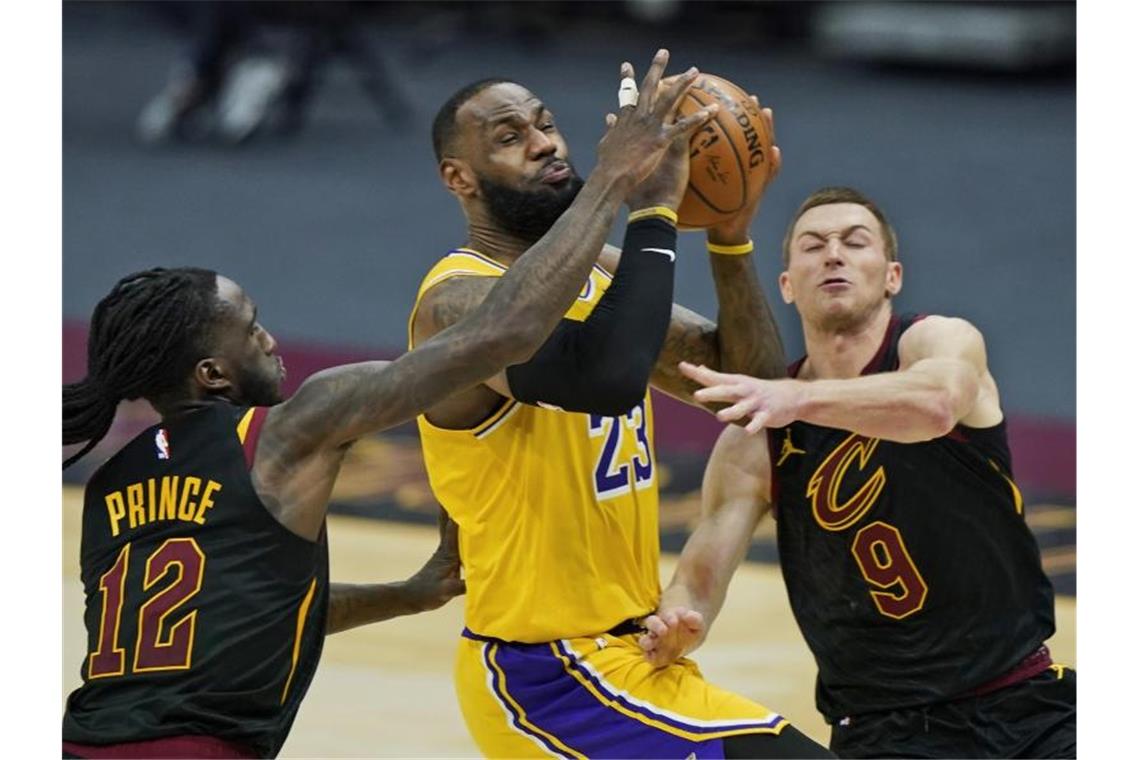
x=162, y=444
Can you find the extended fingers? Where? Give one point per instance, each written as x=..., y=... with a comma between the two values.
x=737, y=410
x=686, y=126
x=776, y=161
x=704, y=375
x=724, y=392
x=758, y=423
x=674, y=88
x=648, y=96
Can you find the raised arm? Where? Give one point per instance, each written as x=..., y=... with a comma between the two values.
x=600, y=364
x=942, y=380
x=734, y=496
x=522, y=307
x=303, y=439
x=744, y=338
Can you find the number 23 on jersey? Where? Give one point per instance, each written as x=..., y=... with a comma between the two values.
x=625, y=460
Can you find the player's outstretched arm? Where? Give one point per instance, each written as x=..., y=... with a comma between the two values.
x=437, y=582
x=599, y=365
x=942, y=380
x=304, y=438
x=744, y=338
x=734, y=496
x=521, y=309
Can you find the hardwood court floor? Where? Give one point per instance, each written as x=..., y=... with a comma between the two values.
x=385, y=690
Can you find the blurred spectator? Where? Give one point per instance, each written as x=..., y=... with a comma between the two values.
x=257, y=65
x=324, y=30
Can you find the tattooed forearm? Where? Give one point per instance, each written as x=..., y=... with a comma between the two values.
x=690, y=338
x=744, y=339
x=747, y=336
x=353, y=604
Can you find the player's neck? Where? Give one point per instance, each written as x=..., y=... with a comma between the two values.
x=838, y=354
x=171, y=407
x=500, y=245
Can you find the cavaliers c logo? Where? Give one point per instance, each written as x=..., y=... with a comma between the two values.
x=823, y=488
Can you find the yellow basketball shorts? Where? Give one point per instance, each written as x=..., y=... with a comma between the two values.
x=595, y=697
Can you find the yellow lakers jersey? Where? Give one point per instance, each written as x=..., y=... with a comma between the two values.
x=557, y=510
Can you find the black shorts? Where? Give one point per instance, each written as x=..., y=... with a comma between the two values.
x=1036, y=717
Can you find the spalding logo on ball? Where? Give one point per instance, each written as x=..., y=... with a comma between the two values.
x=729, y=158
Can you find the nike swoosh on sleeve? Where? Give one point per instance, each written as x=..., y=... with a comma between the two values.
x=672, y=256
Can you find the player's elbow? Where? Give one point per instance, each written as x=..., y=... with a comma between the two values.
x=622, y=387
x=952, y=401
x=941, y=415
x=617, y=399
x=605, y=393
x=614, y=405
x=935, y=415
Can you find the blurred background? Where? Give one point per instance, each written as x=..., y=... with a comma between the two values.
x=286, y=145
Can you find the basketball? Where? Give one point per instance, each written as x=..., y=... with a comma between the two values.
x=728, y=158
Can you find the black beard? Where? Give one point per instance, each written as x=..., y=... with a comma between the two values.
x=528, y=214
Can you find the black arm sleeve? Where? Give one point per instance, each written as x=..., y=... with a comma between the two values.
x=602, y=365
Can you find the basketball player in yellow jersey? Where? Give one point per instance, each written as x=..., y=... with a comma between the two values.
x=549, y=469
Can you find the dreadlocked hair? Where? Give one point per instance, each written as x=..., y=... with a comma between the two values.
x=145, y=337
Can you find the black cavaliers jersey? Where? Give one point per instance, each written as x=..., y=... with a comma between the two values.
x=204, y=615
x=909, y=567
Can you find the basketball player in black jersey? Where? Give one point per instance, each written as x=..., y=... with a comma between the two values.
x=204, y=553
x=907, y=560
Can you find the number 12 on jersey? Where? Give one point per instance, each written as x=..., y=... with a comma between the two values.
x=612, y=470
x=181, y=563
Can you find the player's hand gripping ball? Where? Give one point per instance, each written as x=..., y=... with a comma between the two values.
x=729, y=158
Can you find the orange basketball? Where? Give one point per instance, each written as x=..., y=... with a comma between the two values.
x=728, y=158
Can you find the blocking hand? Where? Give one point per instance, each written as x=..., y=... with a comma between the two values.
x=670, y=634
